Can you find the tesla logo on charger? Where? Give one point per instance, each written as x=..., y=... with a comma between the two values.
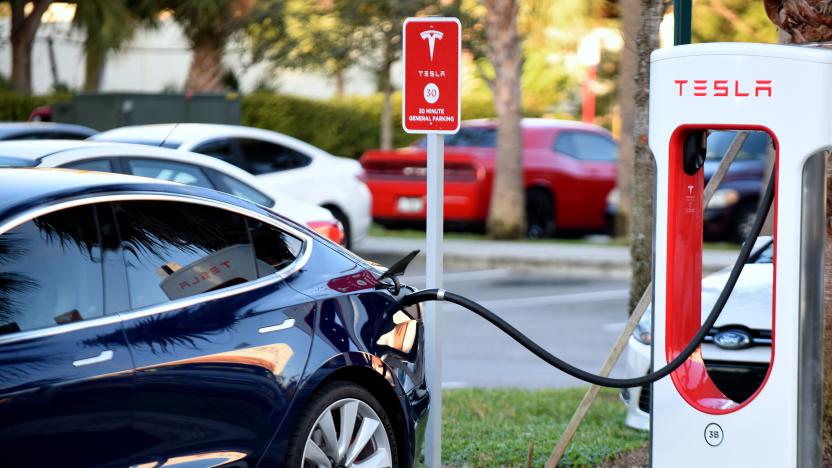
x=724, y=88
x=431, y=36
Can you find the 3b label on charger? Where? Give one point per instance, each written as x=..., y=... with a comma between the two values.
x=713, y=434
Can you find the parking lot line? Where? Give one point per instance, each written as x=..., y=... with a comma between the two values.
x=464, y=276
x=589, y=296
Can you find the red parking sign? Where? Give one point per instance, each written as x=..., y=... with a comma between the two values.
x=431, y=59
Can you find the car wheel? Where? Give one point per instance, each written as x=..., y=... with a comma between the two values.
x=343, y=425
x=743, y=222
x=345, y=223
x=540, y=214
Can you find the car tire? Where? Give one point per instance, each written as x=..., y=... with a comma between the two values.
x=540, y=214
x=318, y=433
x=743, y=221
x=345, y=223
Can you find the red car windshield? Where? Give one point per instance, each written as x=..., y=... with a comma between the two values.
x=481, y=137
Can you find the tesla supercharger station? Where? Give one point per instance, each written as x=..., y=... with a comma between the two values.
x=787, y=92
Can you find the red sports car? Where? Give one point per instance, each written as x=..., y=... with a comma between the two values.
x=569, y=168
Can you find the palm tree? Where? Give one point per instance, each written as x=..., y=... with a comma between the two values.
x=811, y=21
x=24, y=27
x=207, y=24
x=108, y=25
x=506, y=216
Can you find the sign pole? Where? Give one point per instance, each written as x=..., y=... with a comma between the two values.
x=433, y=309
x=431, y=61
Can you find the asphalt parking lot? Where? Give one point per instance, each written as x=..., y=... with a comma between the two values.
x=578, y=319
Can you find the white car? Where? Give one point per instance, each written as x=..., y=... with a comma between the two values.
x=167, y=164
x=737, y=352
x=294, y=167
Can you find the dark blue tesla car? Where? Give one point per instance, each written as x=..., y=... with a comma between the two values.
x=151, y=324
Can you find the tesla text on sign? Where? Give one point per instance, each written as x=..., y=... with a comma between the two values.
x=430, y=101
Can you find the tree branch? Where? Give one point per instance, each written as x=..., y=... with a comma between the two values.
x=730, y=16
x=484, y=75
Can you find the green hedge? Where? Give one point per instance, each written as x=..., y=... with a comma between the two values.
x=17, y=107
x=345, y=127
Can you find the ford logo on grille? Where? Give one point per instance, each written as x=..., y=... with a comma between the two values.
x=732, y=339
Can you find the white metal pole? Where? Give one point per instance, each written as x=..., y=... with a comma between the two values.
x=433, y=309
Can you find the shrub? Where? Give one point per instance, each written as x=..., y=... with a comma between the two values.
x=16, y=107
x=345, y=126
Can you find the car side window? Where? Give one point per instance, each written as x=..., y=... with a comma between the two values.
x=586, y=146
x=67, y=136
x=169, y=170
x=50, y=271
x=273, y=248
x=220, y=149
x=175, y=250
x=263, y=157
x=98, y=165
x=244, y=191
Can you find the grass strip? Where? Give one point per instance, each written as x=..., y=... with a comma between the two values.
x=494, y=427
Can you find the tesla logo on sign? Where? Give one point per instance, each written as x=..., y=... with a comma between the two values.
x=430, y=91
x=724, y=88
x=431, y=36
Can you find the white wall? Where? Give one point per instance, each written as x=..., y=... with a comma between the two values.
x=158, y=59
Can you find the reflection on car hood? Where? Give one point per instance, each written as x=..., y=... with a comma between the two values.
x=749, y=303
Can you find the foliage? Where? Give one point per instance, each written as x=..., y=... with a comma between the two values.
x=342, y=126
x=108, y=25
x=205, y=20
x=732, y=21
x=16, y=107
x=494, y=427
x=551, y=30
x=309, y=36
x=333, y=36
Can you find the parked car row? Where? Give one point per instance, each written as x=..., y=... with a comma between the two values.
x=279, y=164
x=150, y=323
x=165, y=164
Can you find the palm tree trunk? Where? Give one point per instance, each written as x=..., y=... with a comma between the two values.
x=93, y=70
x=340, y=83
x=24, y=28
x=644, y=170
x=506, y=216
x=386, y=136
x=205, y=73
x=386, y=112
x=626, y=102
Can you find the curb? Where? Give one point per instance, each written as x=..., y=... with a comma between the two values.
x=575, y=260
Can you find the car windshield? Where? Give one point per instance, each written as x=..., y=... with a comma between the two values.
x=766, y=255
x=8, y=161
x=755, y=148
x=482, y=137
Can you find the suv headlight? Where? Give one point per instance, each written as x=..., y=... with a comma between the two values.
x=723, y=198
x=644, y=330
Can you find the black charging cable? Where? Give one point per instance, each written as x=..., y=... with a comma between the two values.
x=537, y=350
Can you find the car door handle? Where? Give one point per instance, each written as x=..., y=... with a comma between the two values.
x=288, y=323
x=104, y=356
